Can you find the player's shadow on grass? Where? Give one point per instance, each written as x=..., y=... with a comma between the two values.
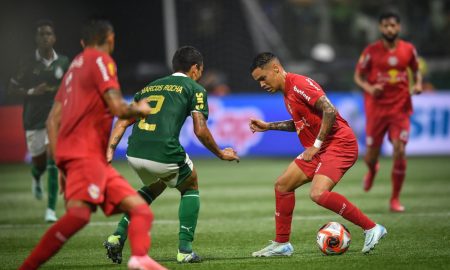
x=206, y=259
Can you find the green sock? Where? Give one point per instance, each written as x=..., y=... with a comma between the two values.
x=188, y=215
x=52, y=184
x=35, y=172
x=122, y=227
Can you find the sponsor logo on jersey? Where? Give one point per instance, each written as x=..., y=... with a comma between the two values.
x=302, y=93
x=111, y=69
x=102, y=68
x=94, y=191
x=392, y=60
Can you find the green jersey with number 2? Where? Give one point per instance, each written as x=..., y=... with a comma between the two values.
x=172, y=99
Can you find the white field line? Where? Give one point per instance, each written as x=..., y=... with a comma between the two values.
x=175, y=221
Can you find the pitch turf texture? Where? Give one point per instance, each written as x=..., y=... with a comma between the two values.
x=236, y=218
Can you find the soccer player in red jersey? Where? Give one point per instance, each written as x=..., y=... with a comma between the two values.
x=78, y=126
x=330, y=150
x=382, y=72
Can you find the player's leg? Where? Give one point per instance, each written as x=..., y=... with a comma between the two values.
x=321, y=194
x=119, y=196
x=36, y=148
x=398, y=175
x=285, y=187
x=371, y=160
x=116, y=241
x=398, y=134
x=52, y=187
x=376, y=127
x=141, y=219
x=77, y=216
x=335, y=162
x=188, y=214
x=148, y=173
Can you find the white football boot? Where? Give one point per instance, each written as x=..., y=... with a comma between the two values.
x=50, y=216
x=275, y=249
x=373, y=236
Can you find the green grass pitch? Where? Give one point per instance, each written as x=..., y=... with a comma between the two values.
x=236, y=218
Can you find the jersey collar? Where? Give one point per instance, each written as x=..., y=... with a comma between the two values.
x=46, y=62
x=179, y=74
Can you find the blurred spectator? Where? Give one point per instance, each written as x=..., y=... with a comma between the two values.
x=215, y=83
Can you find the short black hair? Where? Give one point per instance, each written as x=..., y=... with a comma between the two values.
x=185, y=57
x=261, y=60
x=95, y=31
x=44, y=22
x=388, y=15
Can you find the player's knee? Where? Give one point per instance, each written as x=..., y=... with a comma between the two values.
x=82, y=214
x=282, y=186
x=315, y=194
x=141, y=210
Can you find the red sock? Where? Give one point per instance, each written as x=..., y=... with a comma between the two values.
x=284, y=205
x=141, y=219
x=55, y=237
x=398, y=176
x=340, y=205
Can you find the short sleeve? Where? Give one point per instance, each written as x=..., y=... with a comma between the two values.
x=199, y=101
x=308, y=90
x=105, y=74
x=364, y=61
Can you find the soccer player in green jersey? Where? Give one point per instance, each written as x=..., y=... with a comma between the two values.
x=155, y=153
x=37, y=81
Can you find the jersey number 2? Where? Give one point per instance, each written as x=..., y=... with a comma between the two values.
x=154, y=110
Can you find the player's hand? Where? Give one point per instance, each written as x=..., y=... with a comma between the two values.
x=257, y=125
x=417, y=89
x=40, y=89
x=375, y=89
x=61, y=182
x=229, y=154
x=142, y=107
x=309, y=153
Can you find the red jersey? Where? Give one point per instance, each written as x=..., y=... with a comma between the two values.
x=300, y=95
x=85, y=118
x=389, y=68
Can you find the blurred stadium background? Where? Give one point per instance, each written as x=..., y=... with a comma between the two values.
x=319, y=38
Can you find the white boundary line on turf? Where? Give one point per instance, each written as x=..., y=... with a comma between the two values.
x=175, y=221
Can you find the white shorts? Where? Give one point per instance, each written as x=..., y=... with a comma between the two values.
x=151, y=172
x=37, y=141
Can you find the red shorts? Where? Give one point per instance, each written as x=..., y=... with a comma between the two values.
x=95, y=182
x=333, y=161
x=397, y=126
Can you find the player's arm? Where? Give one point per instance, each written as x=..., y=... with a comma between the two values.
x=116, y=135
x=372, y=89
x=17, y=88
x=257, y=125
x=323, y=105
x=119, y=107
x=417, y=88
x=202, y=132
x=53, y=123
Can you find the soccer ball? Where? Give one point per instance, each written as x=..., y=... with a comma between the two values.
x=333, y=238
